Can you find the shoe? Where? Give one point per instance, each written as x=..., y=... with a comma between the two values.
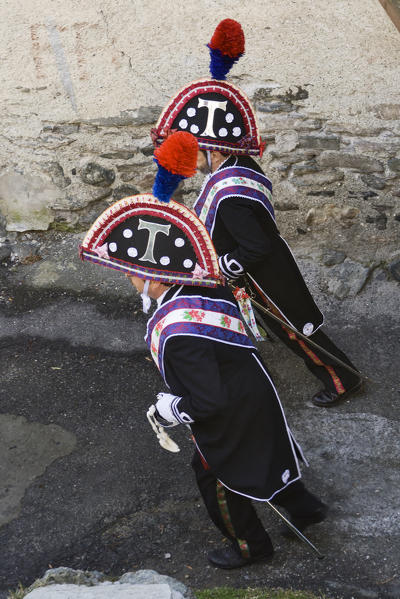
x=326, y=398
x=301, y=523
x=229, y=558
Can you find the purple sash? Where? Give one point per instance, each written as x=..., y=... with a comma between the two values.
x=228, y=182
x=195, y=316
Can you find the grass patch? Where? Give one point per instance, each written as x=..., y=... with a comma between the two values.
x=229, y=593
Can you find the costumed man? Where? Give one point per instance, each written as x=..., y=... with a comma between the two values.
x=235, y=206
x=218, y=384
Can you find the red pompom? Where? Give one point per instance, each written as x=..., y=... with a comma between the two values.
x=228, y=38
x=178, y=154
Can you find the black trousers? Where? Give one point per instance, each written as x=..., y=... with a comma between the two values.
x=234, y=515
x=335, y=378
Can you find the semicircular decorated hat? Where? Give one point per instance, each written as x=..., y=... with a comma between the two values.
x=151, y=236
x=218, y=113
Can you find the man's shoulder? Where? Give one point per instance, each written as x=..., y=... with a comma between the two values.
x=220, y=293
x=249, y=162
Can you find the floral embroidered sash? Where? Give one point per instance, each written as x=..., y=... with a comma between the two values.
x=232, y=181
x=218, y=320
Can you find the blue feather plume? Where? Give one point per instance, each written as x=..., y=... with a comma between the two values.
x=221, y=64
x=165, y=183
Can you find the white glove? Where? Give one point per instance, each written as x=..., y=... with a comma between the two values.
x=164, y=407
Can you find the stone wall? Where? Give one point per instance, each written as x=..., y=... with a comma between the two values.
x=75, y=140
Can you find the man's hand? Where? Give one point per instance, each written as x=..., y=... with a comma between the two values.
x=230, y=267
x=164, y=409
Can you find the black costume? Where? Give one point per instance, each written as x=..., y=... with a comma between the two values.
x=247, y=240
x=238, y=213
x=219, y=384
x=245, y=449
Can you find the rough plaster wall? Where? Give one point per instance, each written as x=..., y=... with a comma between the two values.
x=104, y=57
x=83, y=82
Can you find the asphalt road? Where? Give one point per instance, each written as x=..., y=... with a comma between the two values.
x=85, y=484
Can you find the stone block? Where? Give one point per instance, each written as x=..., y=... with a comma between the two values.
x=382, y=144
x=102, y=591
x=279, y=166
x=95, y=174
x=25, y=202
x=118, y=155
x=61, y=128
x=77, y=197
x=359, y=162
x=293, y=157
x=374, y=181
x=321, y=141
x=144, y=115
x=394, y=268
x=292, y=121
x=53, y=141
x=394, y=164
x=274, y=107
x=5, y=252
x=123, y=191
x=64, y=575
x=285, y=206
x=347, y=279
x=286, y=141
x=56, y=172
x=353, y=128
x=319, y=216
x=323, y=178
x=331, y=257
x=303, y=168
x=387, y=112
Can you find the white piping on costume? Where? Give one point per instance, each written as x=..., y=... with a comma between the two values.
x=250, y=347
x=289, y=433
x=259, y=498
x=247, y=169
x=244, y=494
x=323, y=317
x=237, y=195
x=279, y=310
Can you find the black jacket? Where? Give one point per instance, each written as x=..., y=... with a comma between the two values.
x=246, y=233
x=238, y=421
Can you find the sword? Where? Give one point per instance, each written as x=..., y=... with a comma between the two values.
x=295, y=530
x=308, y=340
x=304, y=337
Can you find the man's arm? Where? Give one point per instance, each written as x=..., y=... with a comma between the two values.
x=193, y=373
x=253, y=245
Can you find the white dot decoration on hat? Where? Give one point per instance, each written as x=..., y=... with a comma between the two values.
x=132, y=252
x=236, y=131
x=179, y=242
x=188, y=263
x=112, y=246
x=165, y=260
x=229, y=117
x=127, y=233
x=191, y=111
x=223, y=132
x=194, y=129
x=183, y=123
